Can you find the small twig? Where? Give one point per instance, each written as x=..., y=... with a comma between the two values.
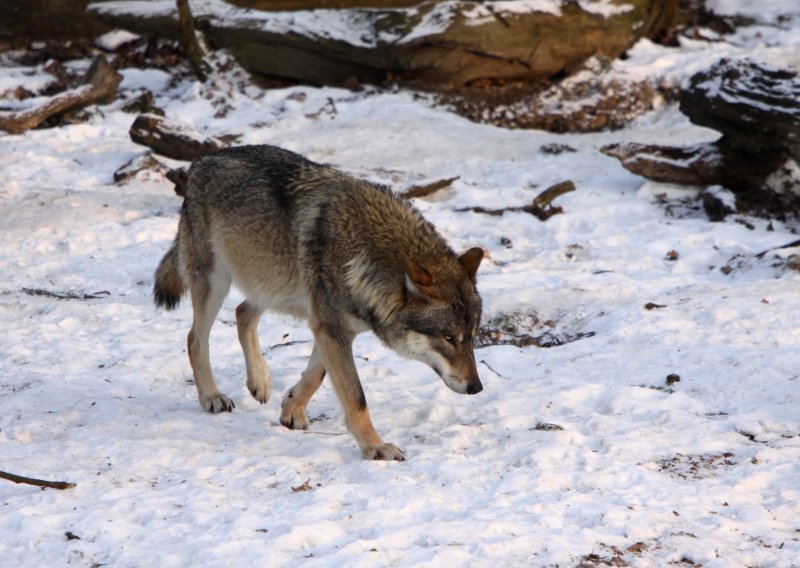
x=786, y=246
x=492, y=369
x=306, y=486
x=492, y=212
x=36, y=482
x=428, y=188
x=65, y=295
x=288, y=343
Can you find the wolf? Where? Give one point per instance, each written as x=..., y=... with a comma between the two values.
x=342, y=253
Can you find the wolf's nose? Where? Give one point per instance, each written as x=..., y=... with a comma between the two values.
x=474, y=388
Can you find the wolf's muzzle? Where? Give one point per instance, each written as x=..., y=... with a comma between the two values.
x=474, y=388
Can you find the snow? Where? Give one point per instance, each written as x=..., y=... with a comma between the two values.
x=114, y=39
x=704, y=470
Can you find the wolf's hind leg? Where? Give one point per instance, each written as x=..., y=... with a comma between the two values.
x=259, y=382
x=293, y=408
x=208, y=293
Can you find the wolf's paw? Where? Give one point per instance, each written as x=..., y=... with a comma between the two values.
x=216, y=403
x=292, y=416
x=384, y=452
x=260, y=391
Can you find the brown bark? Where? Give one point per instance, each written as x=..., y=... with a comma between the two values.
x=428, y=188
x=189, y=43
x=498, y=45
x=699, y=165
x=172, y=140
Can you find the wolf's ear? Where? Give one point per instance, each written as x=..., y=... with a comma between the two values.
x=470, y=261
x=417, y=278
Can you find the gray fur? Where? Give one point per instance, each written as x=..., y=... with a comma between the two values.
x=345, y=254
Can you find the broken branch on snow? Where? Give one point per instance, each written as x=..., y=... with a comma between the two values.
x=541, y=207
x=36, y=482
x=101, y=82
x=65, y=295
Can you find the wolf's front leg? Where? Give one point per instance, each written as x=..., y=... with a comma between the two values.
x=337, y=358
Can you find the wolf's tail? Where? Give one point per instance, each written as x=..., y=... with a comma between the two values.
x=168, y=287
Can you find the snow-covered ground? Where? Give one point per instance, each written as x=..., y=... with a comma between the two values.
x=580, y=454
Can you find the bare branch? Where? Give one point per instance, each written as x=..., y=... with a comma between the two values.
x=101, y=85
x=36, y=482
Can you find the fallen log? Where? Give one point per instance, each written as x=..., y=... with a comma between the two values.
x=172, y=140
x=434, y=43
x=100, y=86
x=698, y=165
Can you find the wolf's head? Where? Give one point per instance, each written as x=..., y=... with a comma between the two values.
x=439, y=320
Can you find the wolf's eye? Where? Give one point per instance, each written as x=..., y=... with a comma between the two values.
x=450, y=339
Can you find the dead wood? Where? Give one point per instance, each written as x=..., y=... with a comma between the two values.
x=427, y=189
x=541, y=207
x=544, y=199
x=36, y=482
x=65, y=295
x=698, y=165
x=172, y=140
x=189, y=43
x=788, y=245
x=100, y=85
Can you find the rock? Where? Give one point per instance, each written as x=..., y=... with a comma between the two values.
x=755, y=109
x=754, y=106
